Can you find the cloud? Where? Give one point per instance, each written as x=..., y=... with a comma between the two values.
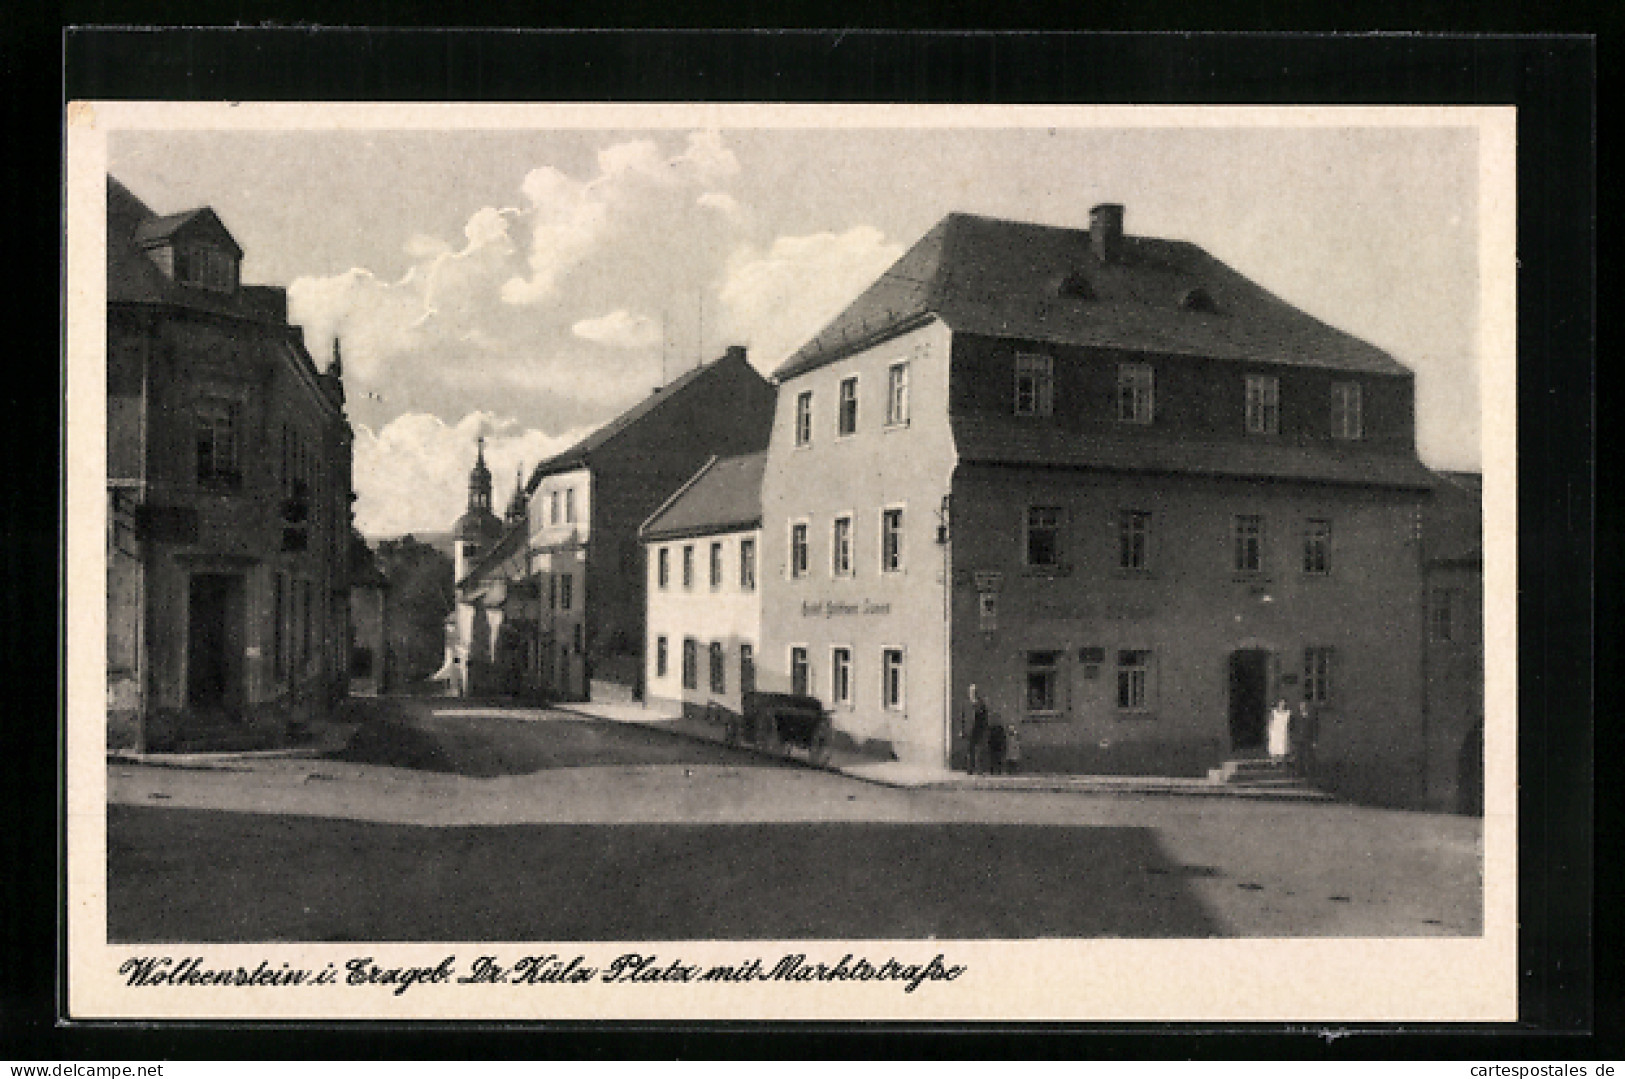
x=412, y=474
x=619, y=329
x=550, y=304
x=774, y=301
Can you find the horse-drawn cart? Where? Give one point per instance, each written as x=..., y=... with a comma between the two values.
x=775, y=720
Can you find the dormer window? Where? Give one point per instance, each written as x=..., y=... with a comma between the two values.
x=207, y=267
x=1197, y=299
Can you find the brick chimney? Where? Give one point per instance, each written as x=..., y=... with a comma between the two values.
x=1106, y=231
x=735, y=352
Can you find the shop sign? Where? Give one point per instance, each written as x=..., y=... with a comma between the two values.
x=832, y=608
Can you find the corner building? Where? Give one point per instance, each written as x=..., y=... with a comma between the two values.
x=1131, y=495
x=228, y=487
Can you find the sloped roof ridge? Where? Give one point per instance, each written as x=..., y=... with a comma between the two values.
x=616, y=425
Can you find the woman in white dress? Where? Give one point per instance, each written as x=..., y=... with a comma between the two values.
x=1280, y=730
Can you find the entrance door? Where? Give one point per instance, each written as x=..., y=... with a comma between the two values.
x=1249, y=688
x=214, y=636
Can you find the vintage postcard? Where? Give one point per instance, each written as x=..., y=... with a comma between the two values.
x=749, y=562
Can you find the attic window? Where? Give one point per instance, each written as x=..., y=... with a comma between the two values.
x=209, y=267
x=1076, y=286
x=1197, y=299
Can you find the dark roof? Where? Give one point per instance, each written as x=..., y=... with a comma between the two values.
x=579, y=455
x=999, y=440
x=512, y=540
x=724, y=496
x=477, y=525
x=1454, y=519
x=133, y=277
x=1002, y=278
x=158, y=230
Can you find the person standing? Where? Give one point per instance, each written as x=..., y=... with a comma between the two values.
x=1280, y=730
x=1306, y=733
x=976, y=749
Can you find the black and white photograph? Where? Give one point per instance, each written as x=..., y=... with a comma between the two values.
x=752, y=562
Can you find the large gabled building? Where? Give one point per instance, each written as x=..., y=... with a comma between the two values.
x=1127, y=492
x=228, y=487
x=578, y=543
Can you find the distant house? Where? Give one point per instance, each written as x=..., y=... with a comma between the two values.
x=702, y=552
x=1126, y=492
x=228, y=491
x=369, y=622
x=1453, y=570
x=575, y=552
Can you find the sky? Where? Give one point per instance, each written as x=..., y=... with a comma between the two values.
x=529, y=284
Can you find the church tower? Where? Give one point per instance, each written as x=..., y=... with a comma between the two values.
x=518, y=506
x=478, y=527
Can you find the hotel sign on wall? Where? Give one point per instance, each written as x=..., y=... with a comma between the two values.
x=834, y=608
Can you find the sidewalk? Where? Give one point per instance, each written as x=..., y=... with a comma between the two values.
x=893, y=773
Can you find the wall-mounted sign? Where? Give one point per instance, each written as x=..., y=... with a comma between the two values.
x=832, y=608
x=1091, y=655
x=988, y=580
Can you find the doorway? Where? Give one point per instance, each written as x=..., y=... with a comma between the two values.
x=1249, y=697
x=214, y=643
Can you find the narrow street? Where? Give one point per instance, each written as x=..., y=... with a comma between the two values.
x=451, y=821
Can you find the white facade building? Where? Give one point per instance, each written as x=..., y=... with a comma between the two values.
x=703, y=557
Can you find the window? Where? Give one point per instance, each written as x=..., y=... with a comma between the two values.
x=570, y=505
x=1135, y=393
x=719, y=673
x=578, y=636
x=798, y=549
x=279, y=651
x=716, y=566
x=1317, y=546
x=1247, y=531
x=846, y=420
x=1347, y=421
x=553, y=592
x=1043, y=535
x=747, y=565
x=566, y=591
x=1043, y=682
x=799, y=671
x=804, y=418
x=553, y=508
x=660, y=657
x=1134, y=540
x=747, y=668
x=688, y=565
x=1035, y=384
x=891, y=679
x=1440, y=615
x=207, y=266
x=897, y=394
x=891, y=540
x=691, y=663
x=840, y=548
x=217, y=423
x=663, y=575
x=1263, y=405
x=1317, y=675
x=840, y=675
x=1133, y=680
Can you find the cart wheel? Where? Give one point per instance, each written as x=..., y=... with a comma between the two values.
x=818, y=745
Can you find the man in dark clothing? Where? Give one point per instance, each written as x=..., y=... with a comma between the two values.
x=976, y=749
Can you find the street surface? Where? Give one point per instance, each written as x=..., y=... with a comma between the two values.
x=446, y=821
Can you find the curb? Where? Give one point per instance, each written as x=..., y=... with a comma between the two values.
x=1026, y=784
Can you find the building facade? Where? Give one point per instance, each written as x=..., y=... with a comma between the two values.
x=578, y=545
x=228, y=479
x=702, y=553
x=1127, y=493
x=1453, y=565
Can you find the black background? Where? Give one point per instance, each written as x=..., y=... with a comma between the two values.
x=1567, y=1013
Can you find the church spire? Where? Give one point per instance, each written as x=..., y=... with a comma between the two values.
x=479, y=483
x=518, y=507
